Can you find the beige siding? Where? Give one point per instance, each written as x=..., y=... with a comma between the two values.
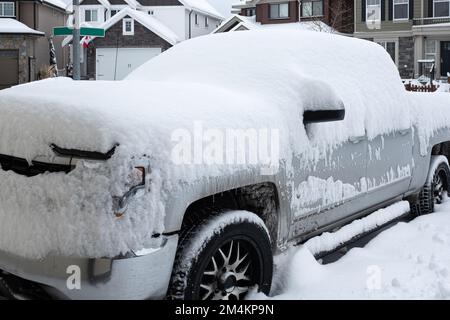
x=26, y=14
x=47, y=19
x=360, y=26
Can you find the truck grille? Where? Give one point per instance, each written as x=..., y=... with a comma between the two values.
x=21, y=166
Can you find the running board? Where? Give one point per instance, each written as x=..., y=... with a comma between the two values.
x=330, y=242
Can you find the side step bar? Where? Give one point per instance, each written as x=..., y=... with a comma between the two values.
x=331, y=242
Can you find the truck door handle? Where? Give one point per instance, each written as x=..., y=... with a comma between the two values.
x=357, y=139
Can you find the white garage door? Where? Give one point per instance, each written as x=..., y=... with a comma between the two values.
x=116, y=64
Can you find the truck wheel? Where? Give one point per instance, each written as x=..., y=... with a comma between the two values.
x=436, y=187
x=222, y=258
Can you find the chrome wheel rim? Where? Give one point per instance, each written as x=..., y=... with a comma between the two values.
x=229, y=274
x=439, y=188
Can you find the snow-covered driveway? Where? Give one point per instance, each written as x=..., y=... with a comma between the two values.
x=408, y=261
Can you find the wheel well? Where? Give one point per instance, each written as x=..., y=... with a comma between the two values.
x=441, y=149
x=261, y=199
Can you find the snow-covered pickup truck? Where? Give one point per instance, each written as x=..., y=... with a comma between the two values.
x=183, y=180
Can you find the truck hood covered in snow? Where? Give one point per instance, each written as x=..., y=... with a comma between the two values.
x=252, y=79
x=95, y=116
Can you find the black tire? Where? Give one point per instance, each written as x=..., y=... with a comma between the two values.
x=201, y=271
x=433, y=191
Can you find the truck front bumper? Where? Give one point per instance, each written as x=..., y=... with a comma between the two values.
x=144, y=276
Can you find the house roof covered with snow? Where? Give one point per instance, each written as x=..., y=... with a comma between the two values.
x=202, y=6
x=60, y=4
x=238, y=22
x=148, y=21
x=9, y=25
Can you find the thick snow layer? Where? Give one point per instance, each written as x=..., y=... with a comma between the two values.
x=408, y=261
x=215, y=226
x=430, y=114
x=57, y=3
x=254, y=79
x=9, y=25
x=202, y=6
x=291, y=61
x=71, y=214
x=331, y=240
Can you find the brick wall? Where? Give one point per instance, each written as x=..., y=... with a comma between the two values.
x=263, y=10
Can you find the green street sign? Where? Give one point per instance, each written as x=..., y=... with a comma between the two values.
x=62, y=31
x=92, y=32
x=84, y=31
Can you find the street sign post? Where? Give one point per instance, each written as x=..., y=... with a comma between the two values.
x=62, y=31
x=92, y=32
x=84, y=31
x=77, y=32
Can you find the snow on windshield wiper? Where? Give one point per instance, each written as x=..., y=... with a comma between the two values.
x=92, y=155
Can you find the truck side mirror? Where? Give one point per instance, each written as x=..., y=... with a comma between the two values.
x=317, y=116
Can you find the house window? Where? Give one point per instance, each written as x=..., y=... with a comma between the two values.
x=7, y=9
x=373, y=10
x=251, y=12
x=312, y=8
x=91, y=15
x=441, y=8
x=401, y=9
x=390, y=47
x=279, y=11
x=128, y=27
x=206, y=22
x=196, y=19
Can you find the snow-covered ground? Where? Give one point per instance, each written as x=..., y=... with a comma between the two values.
x=408, y=261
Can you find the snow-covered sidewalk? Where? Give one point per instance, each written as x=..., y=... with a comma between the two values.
x=408, y=261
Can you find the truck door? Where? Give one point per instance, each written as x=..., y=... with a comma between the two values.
x=334, y=189
x=389, y=166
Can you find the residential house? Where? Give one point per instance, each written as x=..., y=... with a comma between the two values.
x=416, y=33
x=337, y=14
x=25, y=29
x=138, y=30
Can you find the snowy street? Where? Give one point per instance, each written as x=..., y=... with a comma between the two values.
x=408, y=261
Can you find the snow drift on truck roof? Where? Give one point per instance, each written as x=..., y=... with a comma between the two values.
x=279, y=65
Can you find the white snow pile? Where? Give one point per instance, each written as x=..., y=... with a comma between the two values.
x=254, y=79
x=9, y=25
x=332, y=240
x=202, y=6
x=408, y=261
x=430, y=114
